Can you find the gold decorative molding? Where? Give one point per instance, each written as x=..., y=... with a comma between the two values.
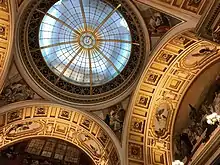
x=19, y=3
x=5, y=38
x=4, y=6
x=209, y=26
x=28, y=119
x=196, y=7
x=158, y=96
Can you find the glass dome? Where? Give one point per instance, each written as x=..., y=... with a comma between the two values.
x=86, y=42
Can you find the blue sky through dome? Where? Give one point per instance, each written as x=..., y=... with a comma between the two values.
x=86, y=42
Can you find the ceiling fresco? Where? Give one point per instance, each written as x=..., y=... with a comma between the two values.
x=15, y=88
x=158, y=22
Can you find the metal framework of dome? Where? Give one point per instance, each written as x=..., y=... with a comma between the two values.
x=82, y=52
x=85, y=42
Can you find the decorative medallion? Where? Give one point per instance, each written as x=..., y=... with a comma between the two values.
x=22, y=129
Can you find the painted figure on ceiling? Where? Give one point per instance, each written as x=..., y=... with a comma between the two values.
x=159, y=23
x=17, y=92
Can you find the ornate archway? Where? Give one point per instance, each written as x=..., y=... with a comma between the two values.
x=160, y=91
x=6, y=33
x=29, y=119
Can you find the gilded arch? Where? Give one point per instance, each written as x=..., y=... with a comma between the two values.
x=45, y=119
x=158, y=96
x=6, y=33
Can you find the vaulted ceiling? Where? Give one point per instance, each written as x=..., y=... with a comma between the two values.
x=180, y=60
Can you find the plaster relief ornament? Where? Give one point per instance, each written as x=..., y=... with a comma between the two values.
x=90, y=144
x=21, y=129
x=2, y=30
x=1, y=137
x=199, y=54
x=102, y=161
x=181, y=41
x=206, y=52
x=50, y=127
x=160, y=121
x=216, y=34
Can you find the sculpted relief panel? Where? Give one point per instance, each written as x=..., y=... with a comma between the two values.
x=202, y=53
x=161, y=119
x=30, y=127
x=53, y=121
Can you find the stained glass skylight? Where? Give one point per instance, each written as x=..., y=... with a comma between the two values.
x=85, y=42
